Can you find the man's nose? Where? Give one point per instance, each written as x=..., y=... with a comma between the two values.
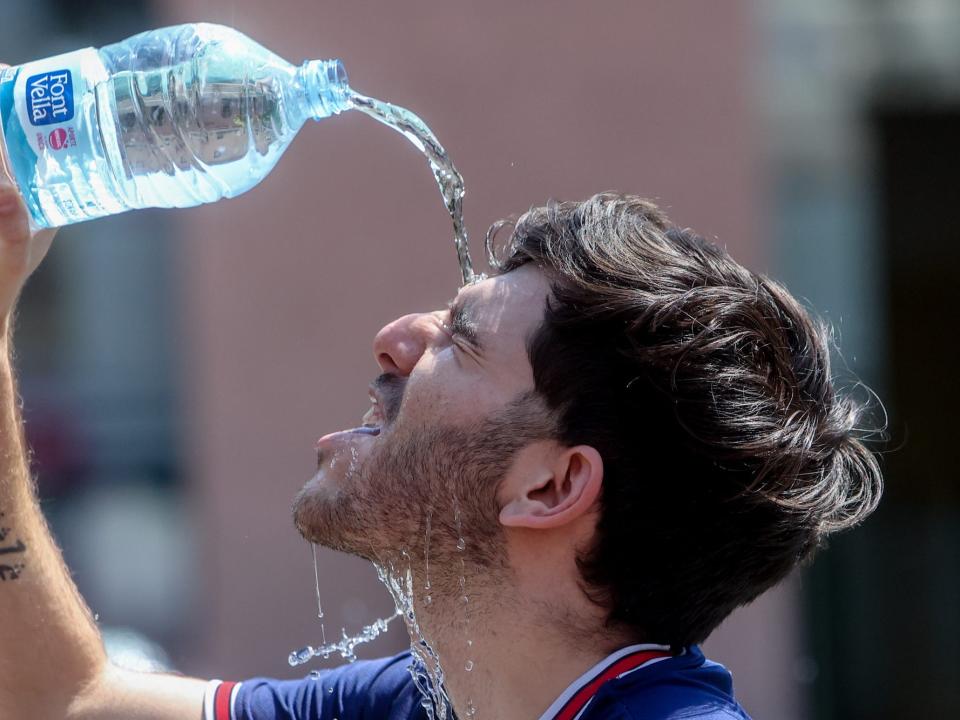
x=400, y=344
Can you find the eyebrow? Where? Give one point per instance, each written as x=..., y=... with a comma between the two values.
x=463, y=323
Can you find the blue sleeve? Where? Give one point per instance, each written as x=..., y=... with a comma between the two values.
x=364, y=690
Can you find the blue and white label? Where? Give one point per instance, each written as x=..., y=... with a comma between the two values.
x=50, y=97
x=55, y=107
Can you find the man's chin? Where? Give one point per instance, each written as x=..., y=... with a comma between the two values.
x=319, y=518
x=306, y=507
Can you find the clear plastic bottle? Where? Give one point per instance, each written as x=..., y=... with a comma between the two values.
x=173, y=117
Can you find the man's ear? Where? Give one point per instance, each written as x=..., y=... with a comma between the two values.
x=552, y=487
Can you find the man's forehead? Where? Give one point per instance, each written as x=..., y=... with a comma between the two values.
x=511, y=302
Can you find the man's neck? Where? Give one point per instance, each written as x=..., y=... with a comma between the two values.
x=506, y=658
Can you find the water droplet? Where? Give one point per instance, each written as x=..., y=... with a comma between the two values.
x=427, y=599
x=345, y=646
x=468, y=666
x=299, y=657
x=314, y=675
x=461, y=544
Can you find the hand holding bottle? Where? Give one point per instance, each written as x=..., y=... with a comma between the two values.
x=20, y=251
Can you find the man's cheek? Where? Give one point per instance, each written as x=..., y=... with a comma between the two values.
x=421, y=398
x=444, y=396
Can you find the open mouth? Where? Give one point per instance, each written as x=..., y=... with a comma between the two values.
x=372, y=420
x=371, y=423
x=366, y=430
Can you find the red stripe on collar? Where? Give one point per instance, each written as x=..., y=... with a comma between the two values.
x=584, y=695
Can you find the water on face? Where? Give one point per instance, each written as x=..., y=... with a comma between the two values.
x=426, y=671
x=449, y=180
x=427, y=597
x=471, y=710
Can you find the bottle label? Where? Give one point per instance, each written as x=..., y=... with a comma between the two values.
x=50, y=97
x=46, y=96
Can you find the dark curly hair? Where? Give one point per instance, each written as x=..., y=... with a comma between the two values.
x=728, y=454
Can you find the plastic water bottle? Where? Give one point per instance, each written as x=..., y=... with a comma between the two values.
x=169, y=118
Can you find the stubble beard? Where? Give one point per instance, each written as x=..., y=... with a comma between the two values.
x=437, y=478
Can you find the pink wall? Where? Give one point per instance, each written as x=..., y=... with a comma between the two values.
x=284, y=288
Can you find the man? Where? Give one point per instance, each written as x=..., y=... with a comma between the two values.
x=568, y=479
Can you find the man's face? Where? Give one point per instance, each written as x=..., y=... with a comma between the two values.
x=453, y=405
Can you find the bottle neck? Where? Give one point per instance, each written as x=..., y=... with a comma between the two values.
x=326, y=88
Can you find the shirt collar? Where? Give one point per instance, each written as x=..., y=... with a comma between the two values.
x=575, y=699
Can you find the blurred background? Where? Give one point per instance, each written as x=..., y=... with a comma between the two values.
x=177, y=366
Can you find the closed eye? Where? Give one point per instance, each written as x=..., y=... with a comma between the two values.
x=462, y=327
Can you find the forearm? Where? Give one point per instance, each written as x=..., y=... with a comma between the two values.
x=50, y=649
x=52, y=662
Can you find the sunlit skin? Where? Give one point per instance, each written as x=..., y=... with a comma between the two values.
x=461, y=368
x=447, y=375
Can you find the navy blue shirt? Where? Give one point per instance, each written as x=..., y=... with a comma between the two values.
x=685, y=686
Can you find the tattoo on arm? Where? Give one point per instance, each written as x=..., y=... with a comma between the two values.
x=12, y=570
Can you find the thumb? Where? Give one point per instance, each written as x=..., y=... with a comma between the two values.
x=14, y=235
x=19, y=253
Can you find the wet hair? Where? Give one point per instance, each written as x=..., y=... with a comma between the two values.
x=728, y=454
